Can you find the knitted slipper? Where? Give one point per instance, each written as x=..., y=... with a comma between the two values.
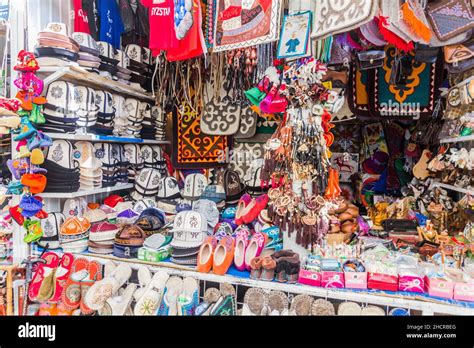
x=255, y=300
x=150, y=301
x=189, y=297
x=71, y=294
x=169, y=304
x=94, y=271
x=118, y=305
x=349, y=308
x=322, y=307
x=301, y=305
x=42, y=270
x=60, y=277
x=277, y=303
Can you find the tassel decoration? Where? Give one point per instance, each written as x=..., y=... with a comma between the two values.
x=417, y=27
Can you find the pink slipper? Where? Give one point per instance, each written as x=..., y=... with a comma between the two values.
x=255, y=247
x=244, y=201
x=42, y=270
x=241, y=242
x=61, y=276
x=252, y=211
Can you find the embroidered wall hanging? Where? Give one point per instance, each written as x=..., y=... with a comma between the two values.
x=332, y=17
x=192, y=148
x=358, y=92
x=414, y=97
x=243, y=23
x=248, y=123
x=294, y=36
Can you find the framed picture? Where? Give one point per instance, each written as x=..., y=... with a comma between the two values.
x=294, y=35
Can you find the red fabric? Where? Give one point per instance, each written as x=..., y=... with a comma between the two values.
x=393, y=38
x=81, y=23
x=162, y=35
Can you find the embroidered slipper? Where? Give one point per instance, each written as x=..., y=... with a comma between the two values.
x=61, y=275
x=144, y=279
x=169, y=305
x=227, y=289
x=103, y=289
x=255, y=247
x=268, y=268
x=244, y=201
x=94, y=271
x=150, y=301
x=322, y=307
x=223, y=255
x=206, y=254
x=189, y=297
x=252, y=211
x=42, y=270
x=255, y=300
x=212, y=295
x=71, y=294
x=241, y=243
x=349, y=308
x=225, y=306
x=277, y=303
x=47, y=286
x=301, y=305
x=118, y=305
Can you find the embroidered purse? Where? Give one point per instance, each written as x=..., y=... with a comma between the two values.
x=449, y=18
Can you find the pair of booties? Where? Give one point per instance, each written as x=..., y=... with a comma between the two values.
x=287, y=266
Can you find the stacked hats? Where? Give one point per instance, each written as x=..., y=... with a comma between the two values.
x=153, y=158
x=90, y=166
x=121, y=114
x=123, y=73
x=148, y=130
x=189, y=231
x=110, y=212
x=128, y=241
x=101, y=237
x=134, y=117
x=234, y=188
x=121, y=163
x=151, y=220
x=106, y=114
x=208, y=209
x=74, y=235
x=51, y=226
x=74, y=207
x=55, y=47
x=63, y=170
x=95, y=216
x=140, y=70
x=88, y=51
x=133, y=154
x=194, y=186
x=127, y=217
x=103, y=152
x=146, y=183
x=108, y=65
x=160, y=121
x=215, y=193
x=168, y=196
x=143, y=204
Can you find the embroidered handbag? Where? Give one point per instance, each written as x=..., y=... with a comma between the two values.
x=449, y=18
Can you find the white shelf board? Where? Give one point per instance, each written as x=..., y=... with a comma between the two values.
x=423, y=304
x=452, y=188
x=81, y=76
x=457, y=139
x=86, y=193
x=104, y=139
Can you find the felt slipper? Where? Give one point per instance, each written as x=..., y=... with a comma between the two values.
x=150, y=301
x=256, y=268
x=277, y=303
x=61, y=275
x=71, y=294
x=144, y=279
x=268, y=268
x=118, y=305
x=372, y=310
x=244, y=201
x=206, y=255
x=189, y=297
x=241, y=243
x=255, y=300
x=255, y=247
x=103, y=289
x=322, y=307
x=211, y=295
x=94, y=271
x=227, y=289
x=225, y=306
x=301, y=305
x=42, y=270
x=349, y=308
x=253, y=209
x=169, y=304
x=223, y=255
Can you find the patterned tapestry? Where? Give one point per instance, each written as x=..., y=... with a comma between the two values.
x=244, y=23
x=358, y=93
x=192, y=148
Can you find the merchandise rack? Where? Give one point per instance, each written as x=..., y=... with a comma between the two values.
x=426, y=305
x=105, y=139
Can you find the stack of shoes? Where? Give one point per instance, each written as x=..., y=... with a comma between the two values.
x=55, y=47
x=101, y=238
x=133, y=154
x=106, y=115
x=63, y=171
x=134, y=118
x=88, y=52
x=108, y=65
x=121, y=163
x=104, y=153
x=140, y=70
x=128, y=241
x=160, y=121
x=148, y=130
x=123, y=73
x=74, y=235
x=121, y=113
x=189, y=232
x=90, y=166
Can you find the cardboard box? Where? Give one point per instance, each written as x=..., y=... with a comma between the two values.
x=411, y=283
x=151, y=255
x=309, y=277
x=332, y=279
x=355, y=280
x=439, y=287
x=381, y=281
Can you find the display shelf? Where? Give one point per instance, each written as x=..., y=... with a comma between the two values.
x=86, y=192
x=457, y=139
x=452, y=188
x=105, y=139
x=427, y=305
x=81, y=76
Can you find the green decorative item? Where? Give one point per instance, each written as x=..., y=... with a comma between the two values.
x=36, y=115
x=255, y=95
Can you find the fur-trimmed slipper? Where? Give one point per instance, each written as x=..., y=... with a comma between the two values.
x=268, y=268
x=255, y=301
x=43, y=271
x=189, y=297
x=301, y=305
x=349, y=308
x=94, y=271
x=169, y=304
x=256, y=268
x=150, y=301
x=322, y=307
x=71, y=295
x=118, y=305
x=60, y=277
x=277, y=303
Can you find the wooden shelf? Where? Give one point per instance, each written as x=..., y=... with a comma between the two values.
x=86, y=193
x=104, y=138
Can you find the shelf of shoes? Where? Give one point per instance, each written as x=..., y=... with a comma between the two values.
x=426, y=305
x=105, y=139
x=452, y=188
x=86, y=192
x=81, y=76
x=457, y=139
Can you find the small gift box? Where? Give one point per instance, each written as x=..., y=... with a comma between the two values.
x=355, y=280
x=464, y=292
x=312, y=278
x=411, y=283
x=331, y=279
x=439, y=287
x=381, y=281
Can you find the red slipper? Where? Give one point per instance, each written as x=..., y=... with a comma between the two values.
x=71, y=295
x=43, y=269
x=95, y=274
x=244, y=201
x=252, y=211
x=61, y=276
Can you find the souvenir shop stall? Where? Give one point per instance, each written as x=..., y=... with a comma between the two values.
x=238, y=157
